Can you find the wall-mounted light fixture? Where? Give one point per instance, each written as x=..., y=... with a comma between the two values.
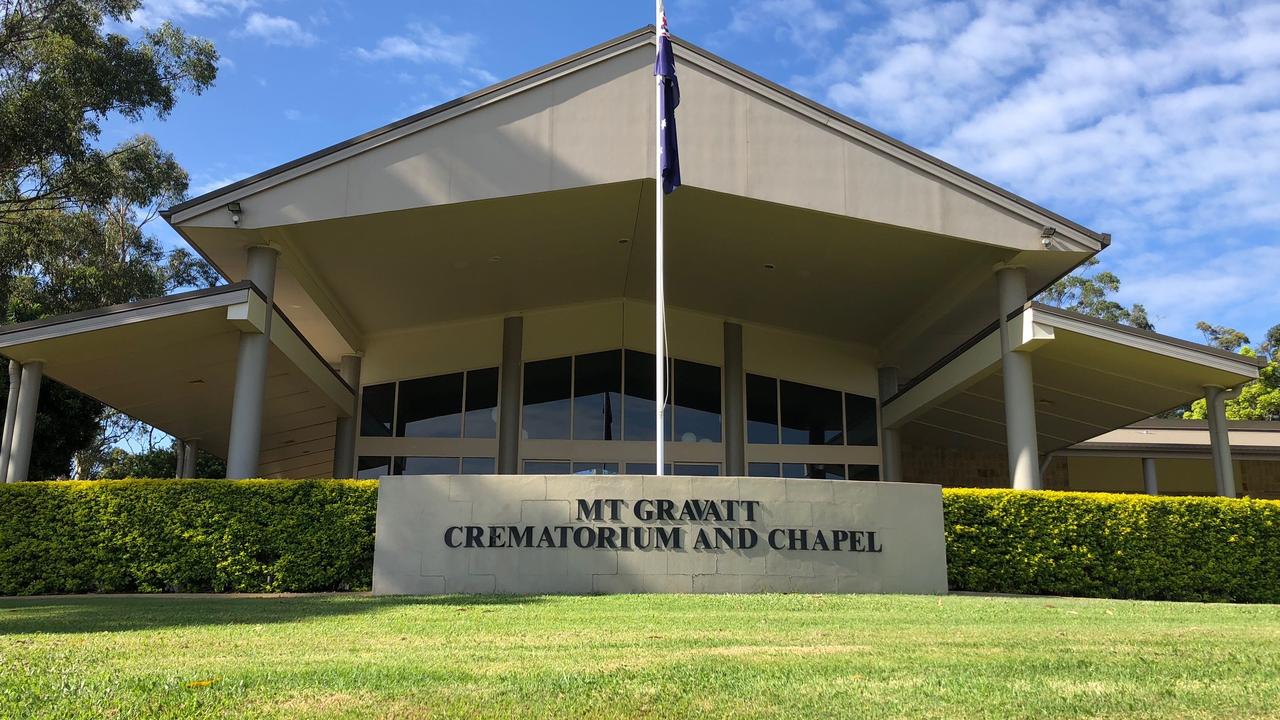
x=234, y=209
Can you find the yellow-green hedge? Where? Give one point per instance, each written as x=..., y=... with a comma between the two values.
x=186, y=536
x=312, y=535
x=1111, y=545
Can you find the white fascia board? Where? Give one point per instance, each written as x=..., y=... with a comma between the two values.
x=249, y=316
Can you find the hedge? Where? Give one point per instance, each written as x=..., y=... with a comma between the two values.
x=315, y=535
x=186, y=536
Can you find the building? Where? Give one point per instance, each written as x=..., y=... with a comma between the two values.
x=470, y=289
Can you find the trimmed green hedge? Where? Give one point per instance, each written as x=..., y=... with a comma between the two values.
x=313, y=535
x=1112, y=545
x=186, y=536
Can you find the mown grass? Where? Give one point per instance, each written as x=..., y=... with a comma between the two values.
x=637, y=656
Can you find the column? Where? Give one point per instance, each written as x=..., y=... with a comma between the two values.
x=346, y=429
x=10, y=414
x=1149, y=483
x=24, y=420
x=180, y=458
x=890, y=446
x=735, y=392
x=251, y=373
x=1019, y=387
x=190, y=450
x=1219, y=440
x=511, y=374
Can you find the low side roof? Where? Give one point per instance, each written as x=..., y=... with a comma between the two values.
x=1091, y=377
x=1183, y=438
x=170, y=362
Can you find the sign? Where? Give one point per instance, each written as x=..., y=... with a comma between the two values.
x=599, y=534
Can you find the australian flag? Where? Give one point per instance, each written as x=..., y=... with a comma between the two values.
x=665, y=70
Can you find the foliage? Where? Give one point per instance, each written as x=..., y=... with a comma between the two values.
x=1223, y=337
x=1087, y=293
x=1258, y=400
x=1112, y=545
x=186, y=535
x=157, y=463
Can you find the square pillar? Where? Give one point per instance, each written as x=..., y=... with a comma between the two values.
x=346, y=428
x=24, y=424
x=251, y=373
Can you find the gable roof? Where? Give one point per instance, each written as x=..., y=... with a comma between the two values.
x=797, y=102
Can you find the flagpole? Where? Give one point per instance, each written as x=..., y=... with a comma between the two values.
x=659, y=290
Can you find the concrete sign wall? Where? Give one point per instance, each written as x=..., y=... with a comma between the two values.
x=628, y=533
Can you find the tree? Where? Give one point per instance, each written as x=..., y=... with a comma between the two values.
x=157, y=463
x=1087, y=293
x=72, y=215
x=1221, y=336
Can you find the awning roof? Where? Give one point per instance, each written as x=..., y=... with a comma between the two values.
x=1090, y=377
x=1171, y=438
x=171, y=363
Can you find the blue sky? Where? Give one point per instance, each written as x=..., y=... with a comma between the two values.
x=1155, y=120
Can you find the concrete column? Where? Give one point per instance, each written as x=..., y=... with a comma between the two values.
x=180, y=458
x=1149, y=483
x=190, y=449
x=344, y=442
x=1019, y=387
x=251, y=373
x=10, y=415
x=511, y=375
x=890, y=445
x=1219, y=440
x=735, y=392
x=24, y=421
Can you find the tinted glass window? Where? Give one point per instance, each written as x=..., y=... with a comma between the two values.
x=479, y=466
x=547, y=388
x=762, y=409
x=697, y=402
x=481, y=419
x=546, y=467
x=373, y=467
x=763, y=469
x=821, y=471
x=864, y=472
x=810, y=415
x=638, y=406
x=426, y=466
x=597, y=396
x=377, y=409
x=595, y=468
x=707, y=469
x=860, y=420
x=430, y=407
x=794, y=470
x=644, y=468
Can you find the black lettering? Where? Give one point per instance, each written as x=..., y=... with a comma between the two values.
x=839, y=538
x=773, y=539
x=564, y=535
x=712, y=512
x=520, y=536
x=546, y=540
x=666, y=510
x=730, y=509
x=624, y=534
x=643, y=537
x=607, y=538
x=667, y=538
x=750, y=507
x=724, y=535
x=584, y=537
x=820, y=541
x=615, y=509
x=798, y=536
x=448, y=535
x=590, y=511
x=702, y=542
x=644, y=510
x=871, y=543
x=496, y=538
x=747, y=538
x=475, y=536
x=856, y=541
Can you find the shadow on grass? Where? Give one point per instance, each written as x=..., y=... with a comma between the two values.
x=103, y=613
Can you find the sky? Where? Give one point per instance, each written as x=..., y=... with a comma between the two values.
x=1157, y=121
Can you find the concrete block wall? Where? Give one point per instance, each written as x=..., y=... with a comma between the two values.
x=414, y=514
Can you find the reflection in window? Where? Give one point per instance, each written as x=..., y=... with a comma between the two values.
x=764, y=469
x=430, y=407
x=762, y=410
x=860, y=420
x=864, y=472
x=639, y=408
x=597, y=396
x=794, y=470
x=810, y=415
x=697, y=402
x=547, y=388
x=700, y=469
x=372, y=467
x=645, y=468
x=377, y=410
x=826, y=471
x=546, y=467
x=595, y=468
x=426, y=466
x=481, y=418
x=479, y=466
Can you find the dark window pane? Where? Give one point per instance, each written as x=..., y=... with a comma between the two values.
x=479, y=466
x=481, y=419
x=546, y=467
x=700, y=469
x=762, y=410
x=810, y=415
x=763, y=469
x=547, y=386
x=864, y=472
x=595, y=468
x=860, y=420
x=639, y=409
x=794, y=470
x=697, y=402
x=597, y=396
x=376, y=410
x=430, y=407
x=426, y=466
x=373, y=467
x=644, y=468
x=822, y=471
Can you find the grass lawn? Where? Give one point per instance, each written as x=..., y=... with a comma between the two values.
x=637, y=656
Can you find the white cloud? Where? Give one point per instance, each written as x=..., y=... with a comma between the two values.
x=423, y=44
x=276, y=30
x=801, y=22
x=154, y=12
x=208, y=183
